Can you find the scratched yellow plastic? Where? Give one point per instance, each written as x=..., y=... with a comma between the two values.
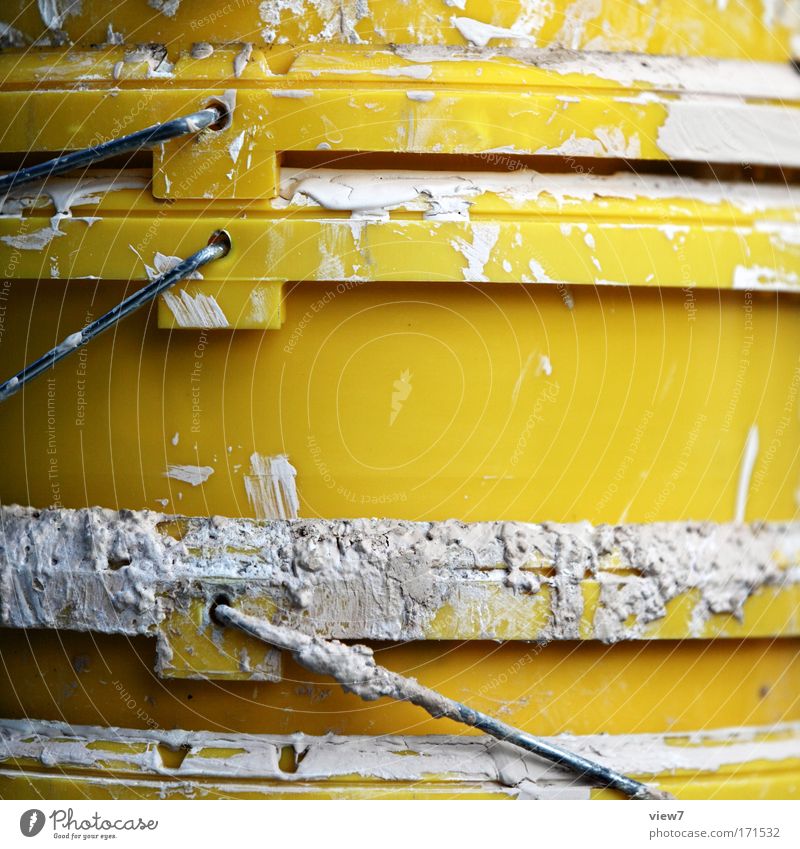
x=748, y=29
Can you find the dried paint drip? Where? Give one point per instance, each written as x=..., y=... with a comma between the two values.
x=271, y=488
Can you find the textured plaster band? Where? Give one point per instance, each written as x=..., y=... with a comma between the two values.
x=122, y=572
x=226, y=758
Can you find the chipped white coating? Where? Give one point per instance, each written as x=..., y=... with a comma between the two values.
x=36, y=240
x=477, y=250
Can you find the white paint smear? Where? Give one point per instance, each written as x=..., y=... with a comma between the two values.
x=195, y=310
x=235, y=147
x=35, y=241
x=392, y=570
x=717, y=131
x=682, y=74
x=415, y=72
x=194, y=475
x=420, y=96
x=271, y=488
x=359, y=189
x=480, y=33
x=66, y=192
x=162, y=263
x=769, y=279
x=214, y=759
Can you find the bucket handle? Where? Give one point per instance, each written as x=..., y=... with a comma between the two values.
x=218, y=246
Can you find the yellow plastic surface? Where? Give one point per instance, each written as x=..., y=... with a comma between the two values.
x=644, y=417
x=744, y=28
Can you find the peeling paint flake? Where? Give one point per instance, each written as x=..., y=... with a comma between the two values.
x=480, y=33
x=235, y=147
x=478, y=250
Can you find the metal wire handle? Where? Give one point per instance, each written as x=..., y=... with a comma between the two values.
x=360, y=674
x=218, y=246
x=148, y=137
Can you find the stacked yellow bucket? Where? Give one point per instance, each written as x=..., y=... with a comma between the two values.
x=496, y=263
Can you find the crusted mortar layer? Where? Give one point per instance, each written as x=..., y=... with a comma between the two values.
x=123, y=572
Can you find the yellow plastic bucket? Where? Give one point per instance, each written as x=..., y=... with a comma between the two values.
x=434, y=309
